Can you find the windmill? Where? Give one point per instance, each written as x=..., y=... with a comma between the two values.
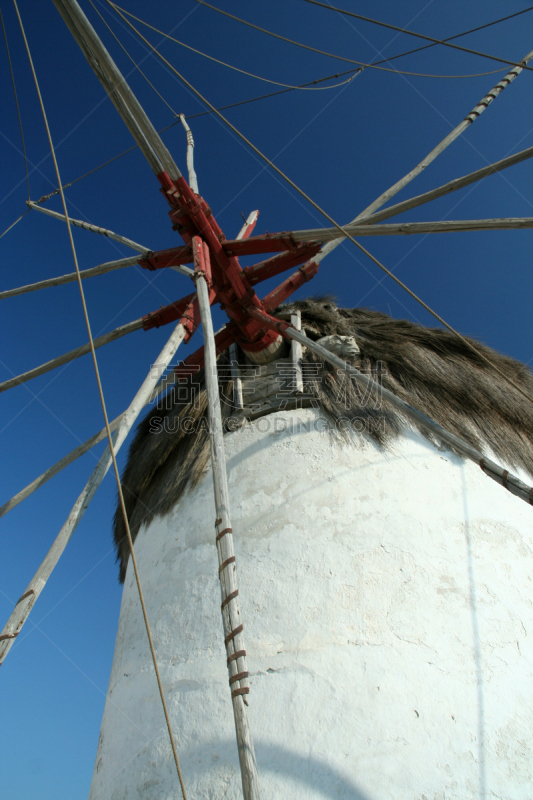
x=308, y=344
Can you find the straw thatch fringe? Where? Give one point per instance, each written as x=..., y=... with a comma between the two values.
x=429, y=368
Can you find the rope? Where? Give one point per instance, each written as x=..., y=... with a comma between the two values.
x=14, y=223
x=343, y=58
x=137, y=67
x=104, y=410
x=46, y=197
x=237, y=69
x=341, y=230
x=458, y=35
x=18, y=110
x=411, y=33
x=284, y=91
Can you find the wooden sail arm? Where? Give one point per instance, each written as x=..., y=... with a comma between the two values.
x=83, y=448
x=101, y=269
x=87, y=226
x=185, y=309
x=25, y=604
x=406, y=228
x=127, y=105
x=436, y=151
x=495, y=471
x=447, y=188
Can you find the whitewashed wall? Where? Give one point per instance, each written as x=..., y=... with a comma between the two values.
x=387, y=604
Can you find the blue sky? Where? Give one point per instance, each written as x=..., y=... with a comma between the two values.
x=343, y=146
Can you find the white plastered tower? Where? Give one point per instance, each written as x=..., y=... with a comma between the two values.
x=386, y=595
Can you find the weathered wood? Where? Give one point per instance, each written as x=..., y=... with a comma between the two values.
x=296, y=354
x=451, y=137
x=432, y=155
x=25, y=604
x=165, y=384
x=193, y=179
x=408, y=228
x=493, y=470
x=101, y=269
x=127, y=105
x=448, y=188
x=228, y=575
x=248, y=226
x=236, y=378
x=391, y=211
x=79, y=223
x=72, y=354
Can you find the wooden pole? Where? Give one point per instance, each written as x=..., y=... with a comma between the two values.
x=238, y=401
x=127, y=105
x=432, y=155
x=452, y=136
x=413, y=202
x=83, y=448
x=493, y=470
x=72, y=354
x=233, y=635
x=27, y=600
x=88, y=227
x=407, y=228
x=296, y=354
x=448, y=188
x=58, y=466
x=101, y=269
x=249, y=225
x=193, y=179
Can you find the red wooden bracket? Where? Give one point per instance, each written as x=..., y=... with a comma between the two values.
x=202, y=261
x=274, y=266
x=223, y=339
x=248, y=227
x=166, y=314
x=229, y=284
x=173, y=257
x=268, y=243
x=293, y=282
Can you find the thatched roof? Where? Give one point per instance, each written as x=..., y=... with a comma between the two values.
x=429, y=368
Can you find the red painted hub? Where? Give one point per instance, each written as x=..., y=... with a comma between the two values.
x=206, y=247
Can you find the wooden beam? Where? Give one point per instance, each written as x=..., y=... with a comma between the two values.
x=236, y=378
x=109, y=266
x=26, y=602
x=296, y=354
x=493, y=470
x=78, y=223
x=448, y=188
x=407, y=228
x=193, y=179
x=267, y=243
x=127, y=105
x=83, y=448
x=288, y=240
x=232, y=624
x=432, y=155
x=72, y=354
x=451, y=137
x=249, y=224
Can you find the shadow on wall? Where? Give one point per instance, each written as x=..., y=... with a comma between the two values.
x=313, y=777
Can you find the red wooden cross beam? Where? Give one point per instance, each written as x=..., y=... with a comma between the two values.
x=251, y=324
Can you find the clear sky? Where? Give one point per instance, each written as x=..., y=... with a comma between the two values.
x=342, y=145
